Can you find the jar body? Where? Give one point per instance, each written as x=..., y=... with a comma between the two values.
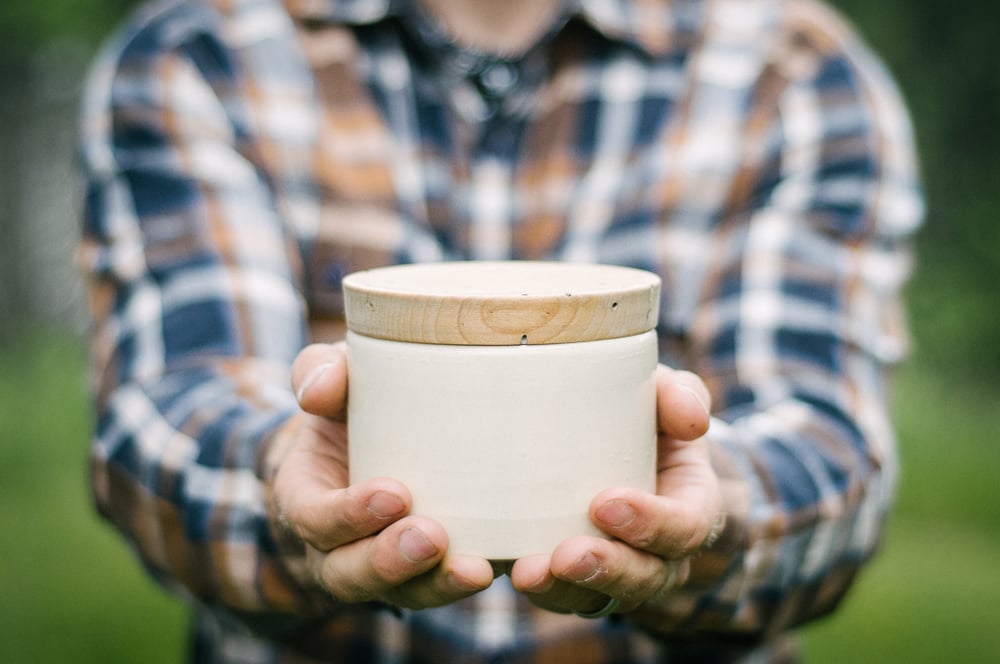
x=505, y=446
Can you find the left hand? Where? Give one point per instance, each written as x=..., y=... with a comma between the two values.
x=654, y=536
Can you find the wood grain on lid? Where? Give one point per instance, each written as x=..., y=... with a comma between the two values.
x=501, y=303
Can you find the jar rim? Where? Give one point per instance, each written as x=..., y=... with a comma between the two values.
x=501, y=302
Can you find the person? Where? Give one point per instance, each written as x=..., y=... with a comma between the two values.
x=242, y=156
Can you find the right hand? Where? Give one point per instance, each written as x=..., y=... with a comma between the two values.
x=362, y=544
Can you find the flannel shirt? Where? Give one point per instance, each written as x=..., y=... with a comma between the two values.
x=241, y=156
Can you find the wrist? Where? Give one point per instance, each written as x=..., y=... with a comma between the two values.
x=303, y=594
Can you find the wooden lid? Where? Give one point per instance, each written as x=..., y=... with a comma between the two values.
x=501, y=303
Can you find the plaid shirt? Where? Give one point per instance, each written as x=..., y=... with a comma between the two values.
x=241, y=156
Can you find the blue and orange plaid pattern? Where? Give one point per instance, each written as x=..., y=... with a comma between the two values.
x=241, y=156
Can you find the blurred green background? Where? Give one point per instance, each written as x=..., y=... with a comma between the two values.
x=71, y=591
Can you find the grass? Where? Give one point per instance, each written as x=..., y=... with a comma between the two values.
x=929, y=598
x=71, y=591
x=930, y=595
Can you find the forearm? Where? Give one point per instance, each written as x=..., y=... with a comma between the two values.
x=197, y=316
x=178, y=466
x=799, y=319
x=805, y=496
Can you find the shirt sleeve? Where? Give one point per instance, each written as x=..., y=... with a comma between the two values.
x=197, y=315
x=799, y=321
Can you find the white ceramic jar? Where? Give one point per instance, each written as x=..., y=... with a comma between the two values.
x=504, y=395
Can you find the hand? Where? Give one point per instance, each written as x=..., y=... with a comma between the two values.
x=654, y=535
x=361, y=543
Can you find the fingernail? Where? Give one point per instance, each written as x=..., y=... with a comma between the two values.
x=384, y=505
x=585, y=568
x=543, y=584
x=415, y=546
x=616, y=513
x=697, y=397
x=311, y=378
x=462, y=584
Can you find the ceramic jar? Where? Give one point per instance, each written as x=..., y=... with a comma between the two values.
x=504, y=395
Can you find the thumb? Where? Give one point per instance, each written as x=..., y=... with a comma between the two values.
x=682, y=404
x=319, y=379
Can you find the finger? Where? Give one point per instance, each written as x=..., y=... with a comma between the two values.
x=613, y=569
x=328, y=518
x=454, y=578
x=319, y=379
x=668, y=526
x=370, y=568
x=683, y=404
x=533, y=577
x=532, y=574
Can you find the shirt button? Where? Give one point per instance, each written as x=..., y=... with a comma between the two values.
x=463, y=63
x=498, y=79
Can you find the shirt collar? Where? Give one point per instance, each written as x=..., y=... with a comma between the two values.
x=352, y=12
x=655, y=26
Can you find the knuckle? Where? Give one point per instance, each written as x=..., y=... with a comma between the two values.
x=633, y=584
x=298, y=518
x=646, y=535
x=421, y=593
x=332, y=521
x=646, y=539
x=346, y=581
x=388, y=571
x=388, y=564
x=350, y=590
x=315, y=527
x=693, y=528
x=437, y=593
x=346, y=522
